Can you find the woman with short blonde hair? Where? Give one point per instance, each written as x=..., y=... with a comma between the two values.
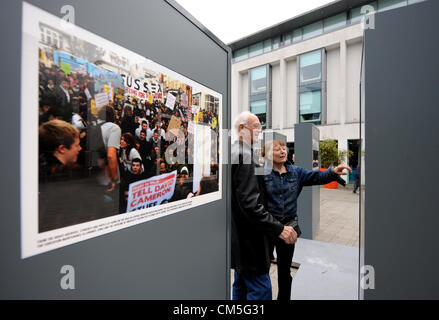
x=281, y=187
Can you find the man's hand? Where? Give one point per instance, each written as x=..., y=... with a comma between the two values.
x=339, y=169
x=288, y=235
x=111, y=186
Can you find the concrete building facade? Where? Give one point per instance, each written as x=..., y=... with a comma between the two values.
x=310, y=68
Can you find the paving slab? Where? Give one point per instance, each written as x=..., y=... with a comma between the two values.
x=327, y=271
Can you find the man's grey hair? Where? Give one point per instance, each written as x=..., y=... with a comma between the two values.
x=242, y=118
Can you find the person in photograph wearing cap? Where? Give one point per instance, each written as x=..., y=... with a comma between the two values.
x=183, y=188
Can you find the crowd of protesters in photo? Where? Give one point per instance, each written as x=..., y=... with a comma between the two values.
x=134, y=133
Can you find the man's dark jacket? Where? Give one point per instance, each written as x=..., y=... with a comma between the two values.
x=63, y=108
x=252, y=224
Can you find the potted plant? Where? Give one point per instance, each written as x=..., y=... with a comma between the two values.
x=331, y=156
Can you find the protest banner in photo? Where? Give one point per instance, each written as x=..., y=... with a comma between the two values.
x=174, y=125
x=183, y=100
x=69, y=63
x=202, y=153
x=87, y=94
x=101, y=99
x=189, y=112
x=64, y=204
x=146, y=88
x=170, y=101
x=151, y=192
x=104, y=79
x=190, y=127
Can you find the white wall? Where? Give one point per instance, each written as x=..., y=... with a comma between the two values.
x=353, y=66
x=333, y=86
x=243, y=97
x=277, y=116
x=291, y=92
x=343, y=146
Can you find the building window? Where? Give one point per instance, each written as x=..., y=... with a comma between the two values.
x=256, y=49
x=297, y=35
x=241, y=54
x=48, y=37
x=312, y=30
x=267, y=45
x=210, y=103
x=311, y=84
x=384, y=5
x=286, y=39
x=311, y=67
x=309, y=31
x=356, y=15
x=310, y=106
x=276, y=41
x=259, y=94
x=334, y=22
x=55, y=40
x=42, y=39
x=258, y=80
x=259, y=108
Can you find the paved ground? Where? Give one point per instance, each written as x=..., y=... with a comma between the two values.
x=339, y=221
x=339, y=217
x=327, y=271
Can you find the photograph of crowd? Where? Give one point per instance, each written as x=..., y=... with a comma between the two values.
x=115, y=135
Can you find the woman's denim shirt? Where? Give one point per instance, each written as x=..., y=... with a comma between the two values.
x=283, y=189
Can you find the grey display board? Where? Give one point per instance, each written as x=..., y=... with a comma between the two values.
x=180, y=256
x=307, y=138
x=401, y=97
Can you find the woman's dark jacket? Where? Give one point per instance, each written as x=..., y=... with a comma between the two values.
x=280, y=191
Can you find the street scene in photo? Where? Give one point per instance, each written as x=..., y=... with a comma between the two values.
x=116, y=134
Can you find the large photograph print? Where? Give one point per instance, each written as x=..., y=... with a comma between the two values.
x=109, y=138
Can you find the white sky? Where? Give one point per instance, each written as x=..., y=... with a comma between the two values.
x=231, y=20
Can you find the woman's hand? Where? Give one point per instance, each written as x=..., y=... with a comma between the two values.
x=339, y=169
x=288, y=235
